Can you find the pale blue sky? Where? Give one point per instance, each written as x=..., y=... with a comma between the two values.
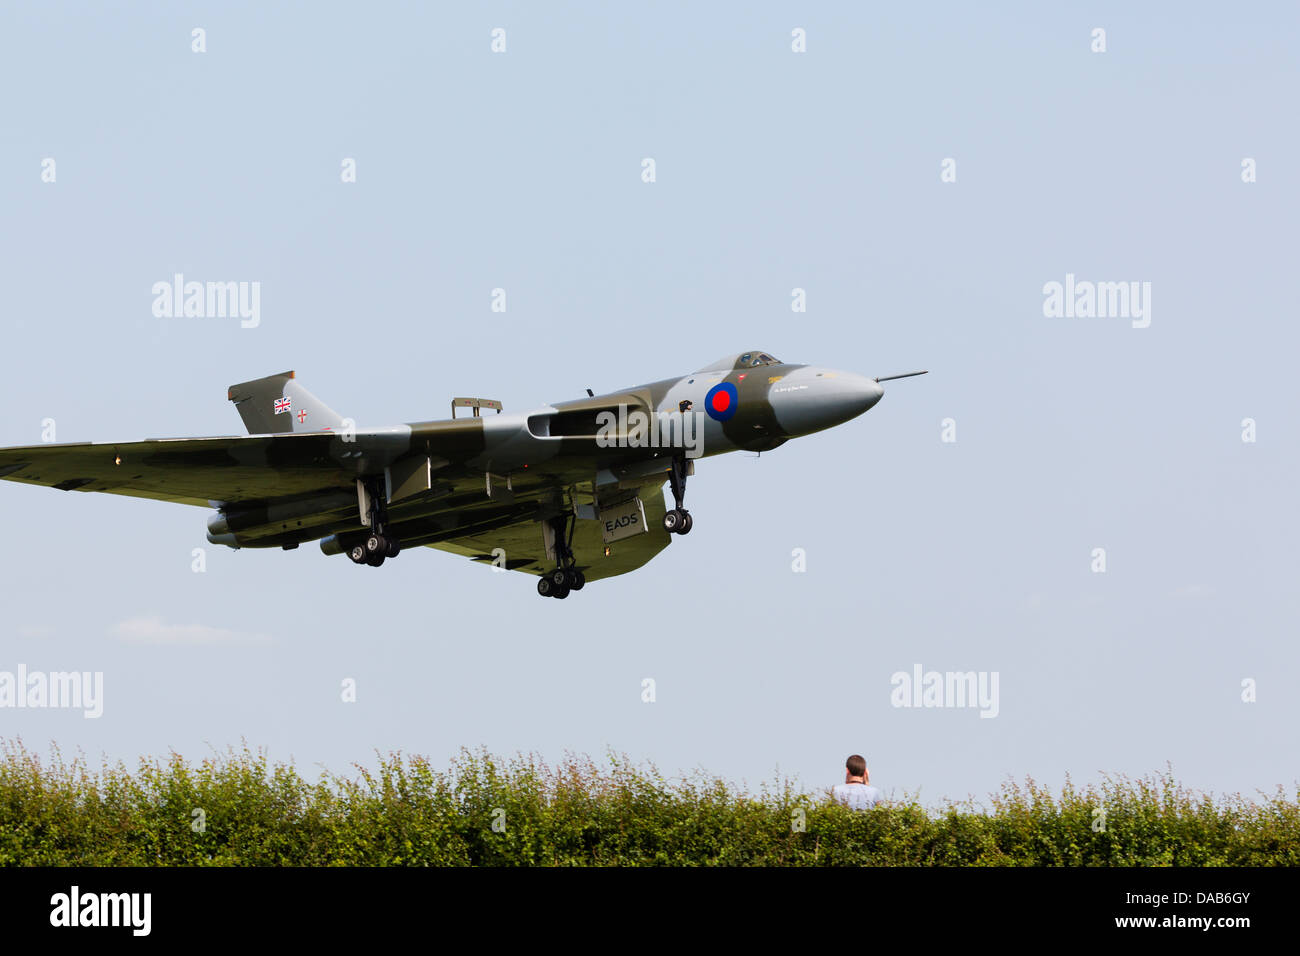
x=775, y=170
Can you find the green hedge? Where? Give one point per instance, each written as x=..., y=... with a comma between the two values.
x=251, y=812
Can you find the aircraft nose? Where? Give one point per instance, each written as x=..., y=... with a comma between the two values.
x=851, y=395
x=815, y=398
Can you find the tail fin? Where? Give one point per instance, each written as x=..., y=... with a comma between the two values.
x=278, y=403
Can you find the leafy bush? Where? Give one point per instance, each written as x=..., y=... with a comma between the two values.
x=239, y=810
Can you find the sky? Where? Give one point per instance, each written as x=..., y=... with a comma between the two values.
x=922, y=172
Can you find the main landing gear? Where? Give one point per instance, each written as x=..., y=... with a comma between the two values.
x=566, y=577
x=678, y=520
x=379, y=544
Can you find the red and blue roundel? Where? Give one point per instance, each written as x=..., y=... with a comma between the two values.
x=722, y=401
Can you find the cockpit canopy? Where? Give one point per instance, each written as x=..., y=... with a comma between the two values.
x=750, y=359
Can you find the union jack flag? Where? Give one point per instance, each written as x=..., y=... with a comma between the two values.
x=283, y=405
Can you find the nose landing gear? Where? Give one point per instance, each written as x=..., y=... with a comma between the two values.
x=678, y=520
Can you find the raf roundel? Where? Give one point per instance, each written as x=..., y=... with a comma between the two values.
x=721, y=402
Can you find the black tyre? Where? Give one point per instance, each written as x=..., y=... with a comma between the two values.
x=394, y=546
x=544, y=587
x=687, y=523
x=672, y=520
x=561, y=593
x=375, y=544
x=375, y=560
x=559, y=578
x=577, y=580
x=358, y=554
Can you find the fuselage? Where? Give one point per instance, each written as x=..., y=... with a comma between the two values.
x=747, y=402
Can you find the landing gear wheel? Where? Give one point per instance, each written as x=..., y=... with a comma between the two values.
x=678, y=521
x=565, y=577
x=375, y=560
x=375, y=544
x=358, y=554
x=394, y=546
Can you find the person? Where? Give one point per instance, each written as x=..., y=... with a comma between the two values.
x=856, y=791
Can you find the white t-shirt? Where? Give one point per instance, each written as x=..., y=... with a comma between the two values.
x=857, y=796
